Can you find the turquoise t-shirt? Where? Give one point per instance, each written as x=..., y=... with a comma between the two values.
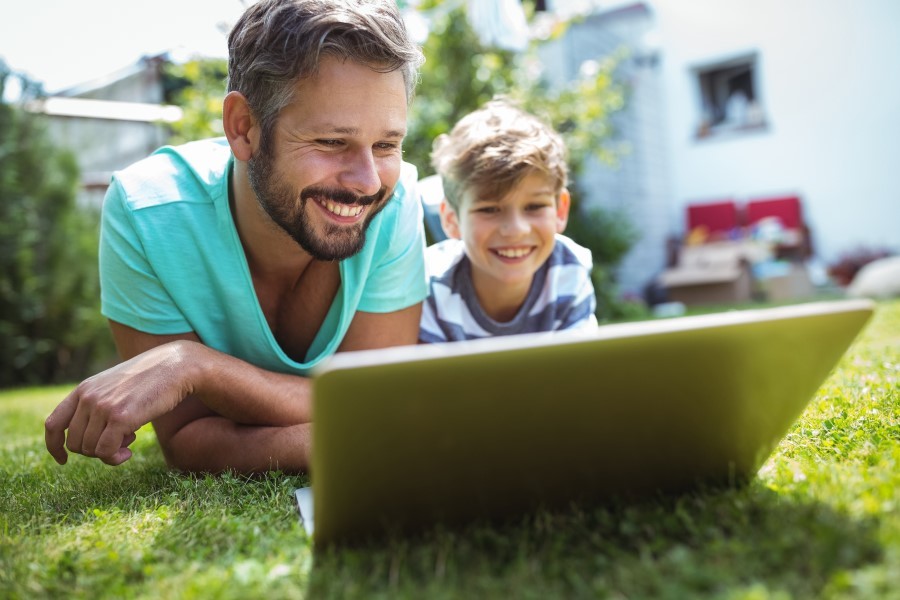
x=171, y=260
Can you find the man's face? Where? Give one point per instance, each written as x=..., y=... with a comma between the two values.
x=336, y=158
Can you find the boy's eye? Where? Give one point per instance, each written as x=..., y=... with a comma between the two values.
x=487, y=210
x=537, y=206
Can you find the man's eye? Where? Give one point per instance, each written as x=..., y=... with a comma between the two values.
x=387, y=145
x=329, y=142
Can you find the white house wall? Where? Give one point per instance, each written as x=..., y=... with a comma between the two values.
x=829, y=81
x=105, y=143
x=637, y=185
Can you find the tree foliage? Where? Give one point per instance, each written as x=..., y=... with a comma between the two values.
x=198, y=87
x=460, y=74
x=50, y=323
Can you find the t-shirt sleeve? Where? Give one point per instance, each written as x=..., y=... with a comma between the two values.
x=397, y=280
x=130, y=291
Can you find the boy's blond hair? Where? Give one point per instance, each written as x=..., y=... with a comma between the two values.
x=490, y=150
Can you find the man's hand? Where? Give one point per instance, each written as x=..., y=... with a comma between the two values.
x=211, y=411
x=103, y=413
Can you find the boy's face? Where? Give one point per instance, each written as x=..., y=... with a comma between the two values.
x=508, y=239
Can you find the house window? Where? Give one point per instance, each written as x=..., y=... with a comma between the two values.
x=729, y=97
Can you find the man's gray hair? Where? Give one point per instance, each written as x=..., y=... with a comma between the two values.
x=275, y=43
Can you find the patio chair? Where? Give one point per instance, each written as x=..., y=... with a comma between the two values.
x=713, y=220
x=795, y=242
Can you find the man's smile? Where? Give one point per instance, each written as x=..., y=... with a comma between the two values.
x=341, y=210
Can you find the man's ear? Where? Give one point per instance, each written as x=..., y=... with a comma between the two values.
x=449, y=220
x=240, y=126
x=563, y=201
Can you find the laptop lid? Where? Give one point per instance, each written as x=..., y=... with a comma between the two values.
x=411, y=436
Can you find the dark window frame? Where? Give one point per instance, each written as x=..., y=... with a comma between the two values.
x=730, y=98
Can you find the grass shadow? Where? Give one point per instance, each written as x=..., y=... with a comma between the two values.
x=704, y=545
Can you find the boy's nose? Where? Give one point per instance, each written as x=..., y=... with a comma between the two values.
x=360, y=173
x=514, y=224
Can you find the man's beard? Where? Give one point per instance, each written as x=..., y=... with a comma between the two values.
x=287, y=209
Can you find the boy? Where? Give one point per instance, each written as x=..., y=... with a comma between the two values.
x=505, y=269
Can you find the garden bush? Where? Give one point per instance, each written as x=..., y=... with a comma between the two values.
x=50, y=323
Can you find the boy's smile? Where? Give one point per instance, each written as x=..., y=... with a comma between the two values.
x=514, y=255
x=508, y=239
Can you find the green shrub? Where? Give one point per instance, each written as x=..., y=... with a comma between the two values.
x=50, y=323
x=198, y=87
x=609, y=234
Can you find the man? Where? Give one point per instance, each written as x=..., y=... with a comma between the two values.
x=230, y=268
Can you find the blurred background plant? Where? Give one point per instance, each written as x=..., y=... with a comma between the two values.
x=197, y=86
x=50, y=322
x=849, y=263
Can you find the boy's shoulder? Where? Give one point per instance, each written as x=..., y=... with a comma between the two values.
x=443, y=256
x=568, y=251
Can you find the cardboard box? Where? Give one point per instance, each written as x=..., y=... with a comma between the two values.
x=715, y=273
x=712, y=285
x=793, y=284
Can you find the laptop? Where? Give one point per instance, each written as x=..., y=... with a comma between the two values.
x=406, y=438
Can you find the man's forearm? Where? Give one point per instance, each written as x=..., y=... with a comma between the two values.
x=211, y=411
x=247, y=394
x=215, y=444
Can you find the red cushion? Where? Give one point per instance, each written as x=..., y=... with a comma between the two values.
x=787, y=209
x=717, y=217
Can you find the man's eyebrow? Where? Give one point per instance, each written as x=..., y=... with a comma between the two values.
x=391, y=133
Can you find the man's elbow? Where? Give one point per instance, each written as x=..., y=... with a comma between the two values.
x=184, y=450
x=215, y=444
x=180, y=458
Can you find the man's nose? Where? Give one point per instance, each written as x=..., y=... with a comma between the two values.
x=360, y=173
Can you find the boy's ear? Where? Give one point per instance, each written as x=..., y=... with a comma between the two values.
x=240, y=126
x=562, y=210
x=449, y=220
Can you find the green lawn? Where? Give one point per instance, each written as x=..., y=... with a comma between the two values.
x=822, y=520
